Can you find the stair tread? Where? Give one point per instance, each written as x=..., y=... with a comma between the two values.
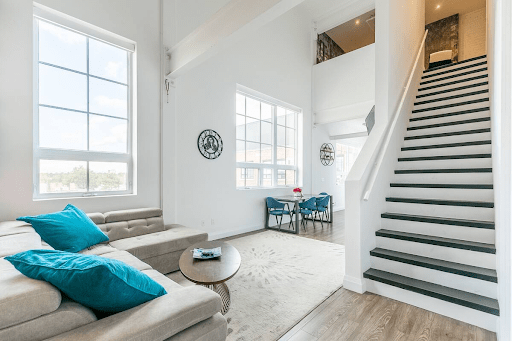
x=439, y=220
x=470, y=300
x=444, y=157
x=439, y=241
x=475, y=101
x=485, y=204
x=454, y=70
x=450, y=133
x=437, y=264
x=453, y=89
x=448, y=145
x=482, y=69
x=454, y=64
x=443, y=170
x=474, y=93
x=449, y=114
x=451, y=123
x=453, y=186
x=454, y=82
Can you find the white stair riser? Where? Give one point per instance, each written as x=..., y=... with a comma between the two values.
x=445, y=178
x=451, y=101
x=468, y=284
x=480, y=259
x=462, y=117
x=453, y=93
x=439, y=230
x=451, y=86
x=457, y=66
x=445, y=211
x=450, y=128
x=454, y=73
x=459, y=108
x=448, y=139
x=445, y=164
x=463, y=150
x=462, y=80
x=443, y=193
x=461, y=313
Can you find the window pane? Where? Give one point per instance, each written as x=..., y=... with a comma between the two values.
x=267, y=178
x=240, y=104
x=240, y=127
x=108, y=176
x=252, y=178
x=290, y=177
x=107, y=134
x=108, y=98
x=62, y=129
x=266, y=112
x=266, y=153
x=281, y=156
x=240, y=151
x=240, y=177
x=57, y=176
x=290, y=156
x=62, y=88
x=290, y=119
x=281, y=136
x=290, y=137
x=281, y=116
x=266, y=132
x=253, y=130
x=62, y=47
x=253, y=152
x=281, y=177
x=253, y=108
x=108, y=61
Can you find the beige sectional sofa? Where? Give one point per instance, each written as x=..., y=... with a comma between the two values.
x=35, y=310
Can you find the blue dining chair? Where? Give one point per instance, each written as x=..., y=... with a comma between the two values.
x=321, y=207
x=277, y=209
x=328, y=212
x=306, y=208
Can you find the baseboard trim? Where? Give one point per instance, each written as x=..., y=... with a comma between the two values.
x=224, y=234
x=354, y=284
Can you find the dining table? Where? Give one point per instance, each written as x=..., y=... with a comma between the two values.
x=295, y=200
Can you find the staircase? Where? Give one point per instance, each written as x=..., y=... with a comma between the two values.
x=435, y=248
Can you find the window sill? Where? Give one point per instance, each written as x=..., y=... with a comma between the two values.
x=265, y=188
x=74, y=197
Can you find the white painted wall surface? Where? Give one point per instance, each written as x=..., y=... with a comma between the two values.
x=472, y=34
x=135, y=20
x=344, y=87
x=323, y=177
x=276, y=60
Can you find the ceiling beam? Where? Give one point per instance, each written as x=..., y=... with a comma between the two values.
x=348, y=136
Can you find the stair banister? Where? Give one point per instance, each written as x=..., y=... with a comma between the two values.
x=391, y=126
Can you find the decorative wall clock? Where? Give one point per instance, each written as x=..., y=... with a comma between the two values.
x=210, y=144
x=327, y=154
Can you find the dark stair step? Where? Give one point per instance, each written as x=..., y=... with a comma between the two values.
x=444, y=171
x=463, y=298
x=474, y=93
x=444, y=157
x=440, y=220
x=453, y=64
x=452, y=186
x=453, y=123
x=453, y=82
x=442, y=202
x=437, y=264
x=454, y=76
x=454, y=70
x=450, y=133
x=438, y=241
x=474, y=101
x=452, y=90
x=448, y=145
x=449, y=114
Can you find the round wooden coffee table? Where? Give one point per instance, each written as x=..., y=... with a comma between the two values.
x=212, y=273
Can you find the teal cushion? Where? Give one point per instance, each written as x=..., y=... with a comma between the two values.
x=69, y=230
x=103, y=284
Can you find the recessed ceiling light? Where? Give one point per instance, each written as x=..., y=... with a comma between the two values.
x=357, y=22
x=438, y=6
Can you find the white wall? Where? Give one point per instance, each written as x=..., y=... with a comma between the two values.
x=344, y=87
x=133, y=19
x=323, y=177
x=276, y=61
x=472, y=34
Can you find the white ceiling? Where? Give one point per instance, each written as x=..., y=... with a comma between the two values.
x=317, y=9
x=450, y=7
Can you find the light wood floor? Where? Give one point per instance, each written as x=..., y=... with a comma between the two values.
x=350, y=316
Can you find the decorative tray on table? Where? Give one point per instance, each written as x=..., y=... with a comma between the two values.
x=207, y=253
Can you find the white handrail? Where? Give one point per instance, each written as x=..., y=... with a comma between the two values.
x=391, y=127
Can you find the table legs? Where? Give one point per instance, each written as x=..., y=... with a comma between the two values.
x=223, y=291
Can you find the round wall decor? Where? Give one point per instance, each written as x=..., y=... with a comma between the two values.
x=327, y=154
x=210, y=144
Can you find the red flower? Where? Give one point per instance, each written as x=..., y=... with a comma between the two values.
x=297, y=190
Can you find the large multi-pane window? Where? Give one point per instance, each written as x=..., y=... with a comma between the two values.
x=266, y=142
x=82, y=130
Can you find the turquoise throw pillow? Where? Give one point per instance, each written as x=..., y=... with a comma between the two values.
x=103, y=284
x=69, y=230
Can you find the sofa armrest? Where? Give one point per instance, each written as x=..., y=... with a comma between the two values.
x=158, y=319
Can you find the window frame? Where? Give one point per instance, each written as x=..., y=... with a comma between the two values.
x=274, y=103
x=42, y=153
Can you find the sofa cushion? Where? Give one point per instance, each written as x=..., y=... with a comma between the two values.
x=15, y=243
x=127, y=258
x=68, y=316
x=23, y=298
x=131, y=228
x=159, y=243
x=133, y=214
x=169, y=285
x=15, y=227
x=98, y=249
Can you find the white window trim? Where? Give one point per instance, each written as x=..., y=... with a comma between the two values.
x=245, y=91
x=70, y=23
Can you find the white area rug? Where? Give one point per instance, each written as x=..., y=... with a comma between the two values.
x=282, y=278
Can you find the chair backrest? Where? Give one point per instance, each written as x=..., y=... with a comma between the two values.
x=322, y=201
x=309, y=204
x=273, y=203
x=323, y=193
